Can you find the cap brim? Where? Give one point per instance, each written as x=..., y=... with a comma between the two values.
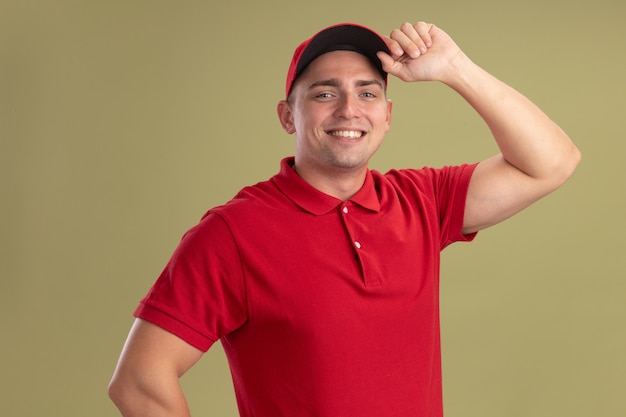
x=345, y=36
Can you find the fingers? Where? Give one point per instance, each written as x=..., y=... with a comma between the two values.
x=390, y=64
x=412, y=40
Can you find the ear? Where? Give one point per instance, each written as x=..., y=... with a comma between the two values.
x=389, y=107
x=285, y=116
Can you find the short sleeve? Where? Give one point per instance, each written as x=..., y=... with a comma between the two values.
x=442, y=190
x=452, y=187
x=200, y=295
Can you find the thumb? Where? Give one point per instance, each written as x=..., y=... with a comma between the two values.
x=390, y=65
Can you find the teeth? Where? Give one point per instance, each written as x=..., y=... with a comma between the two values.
x=354, y=134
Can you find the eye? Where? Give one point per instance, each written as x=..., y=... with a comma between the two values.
x=369, y=95
x=323, y=95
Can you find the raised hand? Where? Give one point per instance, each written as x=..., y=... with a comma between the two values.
x=422, y=52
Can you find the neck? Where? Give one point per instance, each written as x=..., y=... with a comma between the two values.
x=341, y=183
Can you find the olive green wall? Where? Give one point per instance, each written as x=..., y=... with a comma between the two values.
x=121, y=122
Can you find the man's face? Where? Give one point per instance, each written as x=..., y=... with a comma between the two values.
x=338, y=111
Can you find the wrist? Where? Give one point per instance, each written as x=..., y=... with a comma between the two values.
x=463, y=75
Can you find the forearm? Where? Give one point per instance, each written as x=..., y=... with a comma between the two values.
x=527, y=138
x=536, y=156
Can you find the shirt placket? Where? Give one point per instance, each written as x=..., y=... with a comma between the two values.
x=358, y=241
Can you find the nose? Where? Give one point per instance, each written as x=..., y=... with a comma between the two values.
x=347, y=107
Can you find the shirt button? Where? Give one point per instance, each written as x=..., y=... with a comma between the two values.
x=357, y=244
x=345, y=210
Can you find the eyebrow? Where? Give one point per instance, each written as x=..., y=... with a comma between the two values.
x=334, y=82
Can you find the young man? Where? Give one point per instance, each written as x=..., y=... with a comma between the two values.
x=322, y=282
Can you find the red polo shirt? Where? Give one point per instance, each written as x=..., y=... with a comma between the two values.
x=325, y=308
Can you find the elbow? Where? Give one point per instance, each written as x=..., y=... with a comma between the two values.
x=145, y=395
x=562, y=166
x=559, y=171
x=115, y=392
x=120, y=393
x=577, y=156
x=570, y=163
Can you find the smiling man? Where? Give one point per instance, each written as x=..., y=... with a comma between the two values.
x=322, y=283
x=340, y=114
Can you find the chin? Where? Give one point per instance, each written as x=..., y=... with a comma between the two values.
x=349, y=163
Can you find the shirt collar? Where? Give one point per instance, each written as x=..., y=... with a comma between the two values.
x=316, y=202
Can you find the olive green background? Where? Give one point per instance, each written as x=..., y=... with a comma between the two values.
x=121, y=122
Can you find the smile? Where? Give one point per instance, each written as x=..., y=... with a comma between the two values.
x=351, y=134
